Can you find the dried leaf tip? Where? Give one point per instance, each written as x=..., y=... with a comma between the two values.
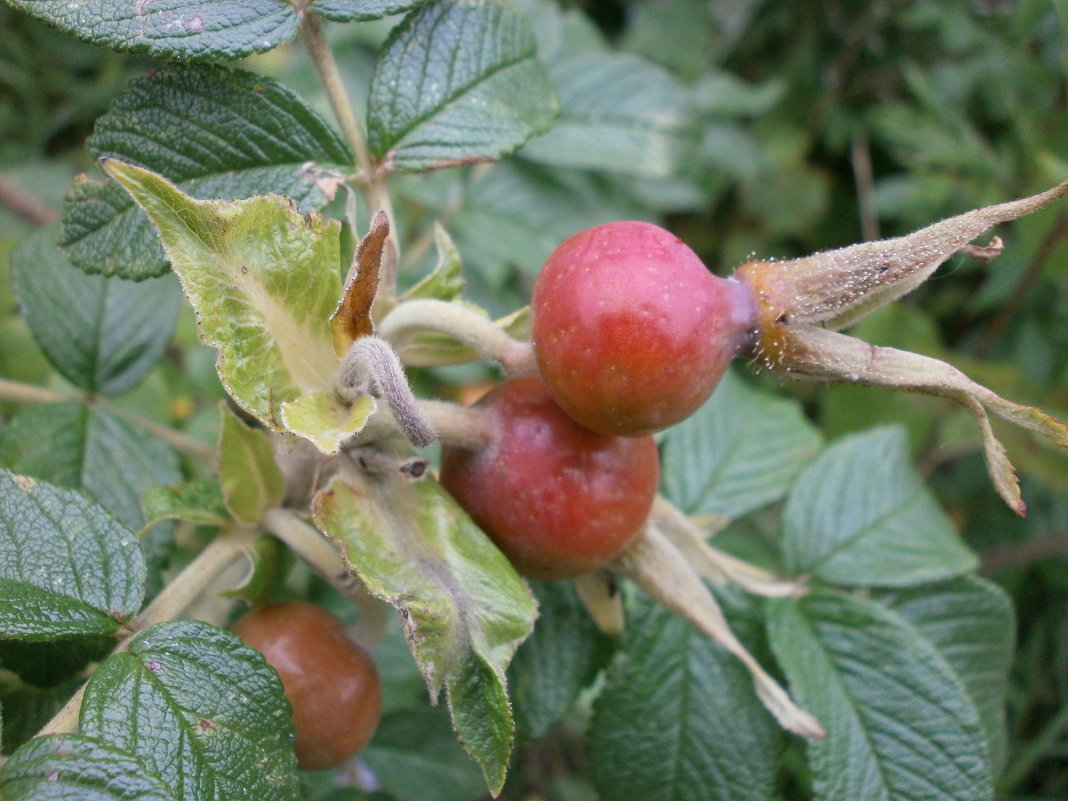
x=802, y=302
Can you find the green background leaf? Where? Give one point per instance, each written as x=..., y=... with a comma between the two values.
x=738, y=452
x=214, y=132
x=199, y=707
x=459, y=81
x=618, y=113
x=561, y=658
x=71, y=766
x=104, y=335
x=678, y=720
x=900, y=725
x=346, y=10
x=66, y=566
x=970, y=621
x=415, y=757
x=859, y=515
x=202, y=29
x=465, y=608
x=91, y=449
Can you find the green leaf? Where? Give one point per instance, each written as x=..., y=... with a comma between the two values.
x=263, y=280
x=250, y=478
x=559, y=660
x=71, y=766
x=465, y=608
x=970, y=621
x=618, y=112
x=205, y=711
x=91, y=449
x=899, y=723
x=361, y=10
x=738, y=452
x=415, y=757
x=445, y=281
x=191, y=29
x=215, y=132
x=459, y=81
x=103, y=335
x=67, y=568
x=678, y=720
x=859, y=515
x=199, y=502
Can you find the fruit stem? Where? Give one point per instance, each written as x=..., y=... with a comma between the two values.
x=489, y=342
x=315, y=550
x=461, y=426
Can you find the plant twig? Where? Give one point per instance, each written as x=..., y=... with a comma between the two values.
x=32, y=209
x=20, y=392
x=186, y=588
x=375, y=189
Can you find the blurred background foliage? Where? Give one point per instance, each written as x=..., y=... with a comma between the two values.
x=749, y=127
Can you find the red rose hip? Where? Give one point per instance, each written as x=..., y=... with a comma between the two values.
x=631, y=332
x=558, y=500
x=330, y=681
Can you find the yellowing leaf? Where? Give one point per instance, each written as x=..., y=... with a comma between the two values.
x=321, y=418
x=263, y=280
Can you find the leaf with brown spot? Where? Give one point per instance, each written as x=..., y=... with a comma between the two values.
x=352, y=317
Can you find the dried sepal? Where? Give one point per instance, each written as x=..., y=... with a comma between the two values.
x=820, y=355
x=713, y=564
x=802, y=302
x=659, y=568
x=599, y=593
x=836, y=288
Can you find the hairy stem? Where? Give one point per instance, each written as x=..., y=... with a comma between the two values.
x=460, y=426
x=372, y=368
x=462, y=324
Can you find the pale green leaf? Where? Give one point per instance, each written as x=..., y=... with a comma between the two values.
x=72, y=767
x=618, y=112
x=103, y=334
x=67, y=567
x=738, y=452
x=465, y=608
x=459, y=81
x=678, y=719
x=263, y=280
x=250, y=478
x=321, y=418
x=204, y=710
x=215, y=133
x=970, y=622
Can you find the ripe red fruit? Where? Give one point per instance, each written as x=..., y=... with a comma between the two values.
x=559, y=500
x=631, y=331
x=330, y=681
